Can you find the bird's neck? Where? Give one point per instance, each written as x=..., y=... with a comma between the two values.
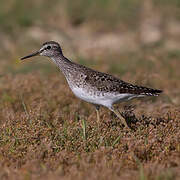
x=64, y=64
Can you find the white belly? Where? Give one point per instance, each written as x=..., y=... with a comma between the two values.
x=108, y=99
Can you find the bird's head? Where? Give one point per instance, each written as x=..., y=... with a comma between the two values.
x=48, y=49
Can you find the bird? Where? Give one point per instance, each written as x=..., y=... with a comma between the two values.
x=97, y=88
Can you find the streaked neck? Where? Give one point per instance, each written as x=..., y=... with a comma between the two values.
x=64, y=64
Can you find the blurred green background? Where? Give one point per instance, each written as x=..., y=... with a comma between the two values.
x=120, y=37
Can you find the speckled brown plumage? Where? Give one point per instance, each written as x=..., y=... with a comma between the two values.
x=107, y=83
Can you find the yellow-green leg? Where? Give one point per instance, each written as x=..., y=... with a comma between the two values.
x=119, y=116
x=97, y=113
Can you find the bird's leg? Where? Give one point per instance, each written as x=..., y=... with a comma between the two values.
x=97, y=112
x=119, y=116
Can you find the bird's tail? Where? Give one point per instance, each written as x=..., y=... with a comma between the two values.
x=150, y=91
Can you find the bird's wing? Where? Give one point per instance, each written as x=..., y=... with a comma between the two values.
x=106, y=82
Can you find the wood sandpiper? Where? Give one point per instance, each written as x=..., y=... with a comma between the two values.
x=95, y=87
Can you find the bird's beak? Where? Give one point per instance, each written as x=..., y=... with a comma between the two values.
x=31, y=55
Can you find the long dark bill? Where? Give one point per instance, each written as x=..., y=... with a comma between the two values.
x=31, y=55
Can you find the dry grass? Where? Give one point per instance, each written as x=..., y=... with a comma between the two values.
x=46, y=132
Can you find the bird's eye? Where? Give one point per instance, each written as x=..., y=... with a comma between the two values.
x=48, y=47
